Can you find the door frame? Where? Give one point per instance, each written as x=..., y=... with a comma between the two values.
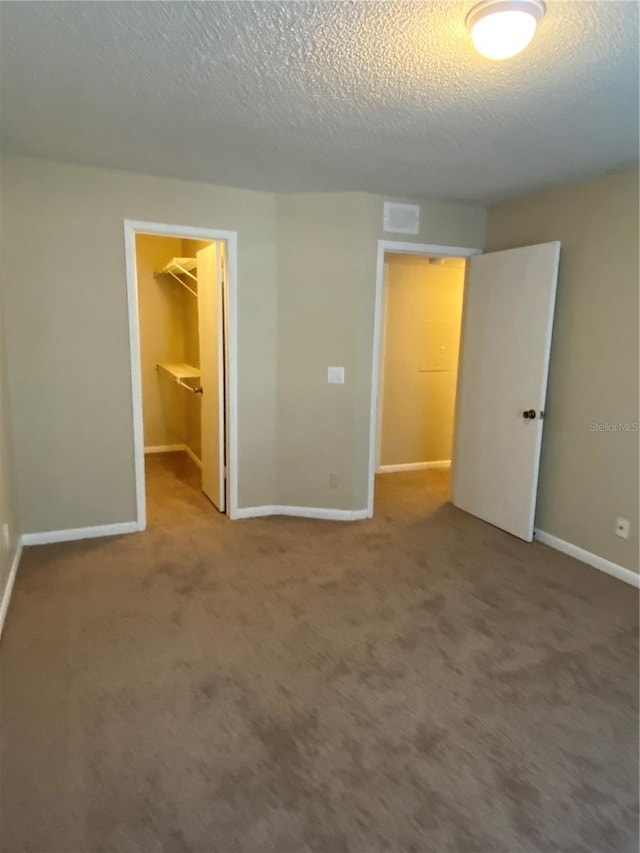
x=375, y=417
x=133, y=227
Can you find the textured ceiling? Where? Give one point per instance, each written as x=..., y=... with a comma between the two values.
x=295, y=96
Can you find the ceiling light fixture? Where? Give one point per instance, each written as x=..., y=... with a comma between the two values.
x=501, y=28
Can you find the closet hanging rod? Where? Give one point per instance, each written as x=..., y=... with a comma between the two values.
x=195, y=389
x=183, y=283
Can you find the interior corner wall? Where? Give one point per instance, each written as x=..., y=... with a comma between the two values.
x=423, y=313
x=327, y=257
x=589, y=466
x=68, y=338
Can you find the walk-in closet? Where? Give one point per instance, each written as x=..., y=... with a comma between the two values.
x=181, y=310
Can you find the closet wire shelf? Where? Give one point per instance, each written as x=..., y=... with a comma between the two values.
x=181, y=266
x=184, y=375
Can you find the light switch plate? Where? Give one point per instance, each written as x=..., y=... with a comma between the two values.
x=335, y=376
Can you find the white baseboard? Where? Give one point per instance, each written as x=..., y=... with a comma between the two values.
x=192, y=456
x=47, y=537
x=303, y=512
x=174, y=448
x=8, y=589
x=254, y=511
x=587, y=557
x=413, y=466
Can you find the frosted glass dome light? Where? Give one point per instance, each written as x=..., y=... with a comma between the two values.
x=502, y=28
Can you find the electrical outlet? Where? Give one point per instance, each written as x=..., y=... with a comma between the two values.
x=334, y=480
x=622, y=528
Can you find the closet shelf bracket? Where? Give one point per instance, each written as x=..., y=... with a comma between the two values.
x=181, y=266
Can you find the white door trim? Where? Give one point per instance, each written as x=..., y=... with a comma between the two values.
x=131, y=228
x=403, y=248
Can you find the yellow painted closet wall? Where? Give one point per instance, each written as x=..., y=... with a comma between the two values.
x=423, y=314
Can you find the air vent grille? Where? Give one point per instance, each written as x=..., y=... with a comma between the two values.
x=401, y=218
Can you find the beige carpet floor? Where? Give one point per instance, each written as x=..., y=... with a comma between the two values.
x=421, y=682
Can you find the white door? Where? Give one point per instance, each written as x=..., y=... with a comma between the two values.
x=210, y=321
x=504, y=363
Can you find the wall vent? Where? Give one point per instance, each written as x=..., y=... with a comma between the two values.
x=401, y=218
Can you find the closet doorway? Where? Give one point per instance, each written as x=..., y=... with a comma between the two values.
x=421, y=320
x=420, y=290
x=509, y=297
x=181, y=289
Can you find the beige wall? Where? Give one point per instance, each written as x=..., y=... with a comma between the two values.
x=68, y=340
x=161, y=308
x=307, y=268
x=327, y=253
x=588, y=477
x=322, y=249
x=306, y=300
x=423, y=310
x=8, y=502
